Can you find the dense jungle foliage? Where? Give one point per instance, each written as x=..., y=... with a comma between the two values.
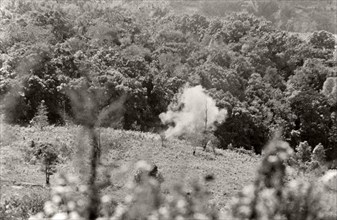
x=289, y=15
x=145, y=53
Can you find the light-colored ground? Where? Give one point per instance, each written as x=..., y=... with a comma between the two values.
x=232, y=170
x=175, y=161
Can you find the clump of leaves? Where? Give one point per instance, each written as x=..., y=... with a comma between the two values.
x=302, y=156
x=322, y=40
x=65, y=151
x=303, y=152
x=318, y=154
x=47, y=155
x=16, y=208
x=306, y=159
x=144, y=201
x=33, y=150
x=271, y=197
x=40, y=120
x=152, y=172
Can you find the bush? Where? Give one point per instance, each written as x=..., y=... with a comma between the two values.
x=239, y=130
x=318, y=154
x=145, y=201
x=306, y=159
x=322, y=40
x=21, y=208
x=47, y=154
x=40, y=119
x=303, y=152
x=271, y=197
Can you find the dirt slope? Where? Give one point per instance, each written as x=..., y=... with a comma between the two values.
x=175, y=161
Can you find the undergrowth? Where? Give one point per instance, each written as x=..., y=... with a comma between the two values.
x=16, y=208
x=271, y=196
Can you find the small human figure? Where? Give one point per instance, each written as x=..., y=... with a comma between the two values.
x=153, y=173
x=163, y=139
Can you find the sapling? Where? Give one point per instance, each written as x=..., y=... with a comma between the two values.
x=318, y=154
x=205, y=132
x=318, y=157
x=41, y=118
x=303, y=152
x=163, y=139
x=271, y=196
x=45, y=152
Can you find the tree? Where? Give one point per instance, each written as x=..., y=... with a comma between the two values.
x=303, y=152
x=312, y=117
x=330, y=91
x=239, y=130
x=214, y=76
x=36, y=79
x=41, y=118
x=318, y=154
x=266, y=9
x=47, y=154
x=311, y=75
x=331, y=149
x=322, y=40
x=147, y=54
x=267, y=105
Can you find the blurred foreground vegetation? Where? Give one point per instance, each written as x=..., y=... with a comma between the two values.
x=233, y=185
x=107, y=64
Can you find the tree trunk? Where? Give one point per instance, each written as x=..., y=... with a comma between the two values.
x=95, y=154
x=47, y=176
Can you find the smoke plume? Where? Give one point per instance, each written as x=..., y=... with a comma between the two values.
x=196, y=113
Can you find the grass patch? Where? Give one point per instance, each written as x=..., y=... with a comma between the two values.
x=122, y=149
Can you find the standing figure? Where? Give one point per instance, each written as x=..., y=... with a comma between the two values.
x=163, y=139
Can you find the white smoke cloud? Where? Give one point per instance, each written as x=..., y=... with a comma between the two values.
x=198, y=112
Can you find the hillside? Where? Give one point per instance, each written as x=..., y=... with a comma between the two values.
x=293, y=15
x=248, y=67
x=121, y=150
x=231, y=170
x=190, y=68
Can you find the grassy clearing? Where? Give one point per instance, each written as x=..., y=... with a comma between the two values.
x=121, y=149
x=232, y=170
